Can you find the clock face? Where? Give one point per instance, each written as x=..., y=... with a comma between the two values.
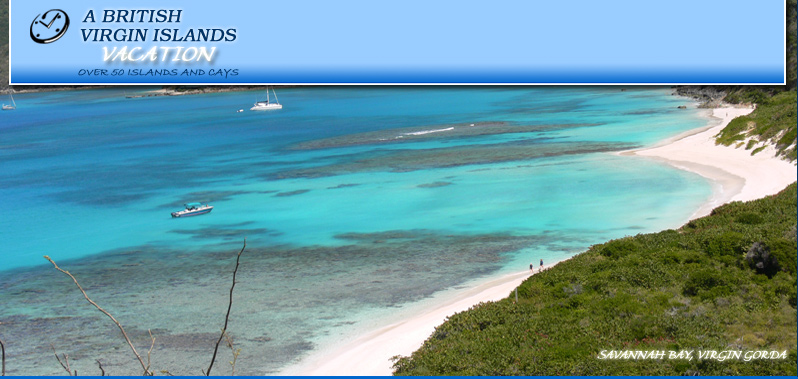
x=49, y=27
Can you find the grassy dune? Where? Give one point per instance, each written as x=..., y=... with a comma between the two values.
x=772, y=122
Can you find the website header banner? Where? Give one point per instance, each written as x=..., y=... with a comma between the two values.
x=407, y=42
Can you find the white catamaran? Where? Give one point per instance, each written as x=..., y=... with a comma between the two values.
x=267, y=105
x=13, y=105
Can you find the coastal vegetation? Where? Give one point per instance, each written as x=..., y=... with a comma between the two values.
x=725, y=282
x=3, y=43
x=773, y=122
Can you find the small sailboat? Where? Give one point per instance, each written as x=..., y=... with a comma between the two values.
x=13, y=105
x=267, y=105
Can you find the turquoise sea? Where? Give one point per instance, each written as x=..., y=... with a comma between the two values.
x=355, y=202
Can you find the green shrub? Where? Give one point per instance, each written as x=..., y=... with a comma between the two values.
x=619, y=248
x=701, y=281
x=749, y=218
x=729, y=243
x=784, y=253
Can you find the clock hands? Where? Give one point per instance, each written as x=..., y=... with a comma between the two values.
x=51, y=21
x=50, y=24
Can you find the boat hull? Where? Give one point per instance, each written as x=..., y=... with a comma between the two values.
x=266, y=107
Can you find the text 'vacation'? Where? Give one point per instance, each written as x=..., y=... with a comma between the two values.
x=156, y=53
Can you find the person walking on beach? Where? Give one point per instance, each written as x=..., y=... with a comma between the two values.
x=541, y=265
x=532, y=267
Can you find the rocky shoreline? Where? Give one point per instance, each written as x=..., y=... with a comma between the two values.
x=708, y=96
x=163, y=91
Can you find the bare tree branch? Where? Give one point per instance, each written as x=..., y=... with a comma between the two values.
x=149, y=352
x=229, y=306
x=146, y=369
x=64, y=363
x=102, y=370
x=233, y=350
x=3, y=350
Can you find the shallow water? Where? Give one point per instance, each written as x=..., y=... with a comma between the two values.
x=337, y=235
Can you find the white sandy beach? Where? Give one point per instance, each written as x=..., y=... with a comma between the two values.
x=736, y=175
x=371, y=353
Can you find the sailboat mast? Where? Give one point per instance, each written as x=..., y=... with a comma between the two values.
x=267, y=95
x=275, y=96
x=12, y=98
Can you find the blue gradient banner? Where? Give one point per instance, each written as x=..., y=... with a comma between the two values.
x=413, y=41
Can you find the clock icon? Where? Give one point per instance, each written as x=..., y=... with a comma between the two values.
x=49, y=27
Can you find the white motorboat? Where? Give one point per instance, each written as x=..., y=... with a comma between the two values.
x=193, y=209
